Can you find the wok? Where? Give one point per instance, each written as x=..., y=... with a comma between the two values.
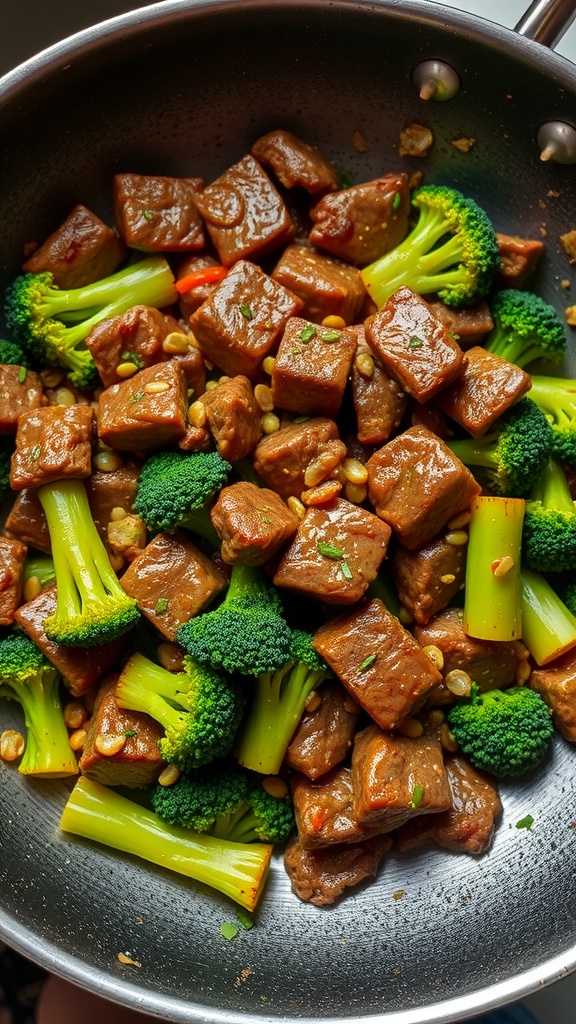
x=184, y=88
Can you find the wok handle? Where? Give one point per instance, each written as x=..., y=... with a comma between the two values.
x=546, y=21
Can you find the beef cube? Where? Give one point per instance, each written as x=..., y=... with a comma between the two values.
x=20, y=391
x=196, y=439
x=242, y=321
x=135, y=336
x=145, y=412
x=189, y=301
x=486, y=388
x=327, y=286
x=26, y=521
x=378, y=661
x=556, y=683
x=52, y=443
x=12, y=556
x=191, y=361
x=233, y=416
x=428, y=579
x=468, y=326
x=311, y=368
x=158, y=214
x=295, y=163
x=417, y=485
x=379, y=401
x=172, y=581
x=413, y=345
x=519, y=258
x=244, y=214
x=280, y=459
x=361, y=223
x=323, y=876
x=430, y=415
x=252, y=522
x=138, y=763
x=82, y=250
x=395, y=778
x=324, y=736
x=324, y=810
x=335, y=554
x=109, y=490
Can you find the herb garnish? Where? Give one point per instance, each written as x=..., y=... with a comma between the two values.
x=415, y=342
x=396, y=201
x=161, y=605
x=346, y=571
x=328, y=550
x=526, y=822
x=367, y=662
x=307, y=333
x=417, y=794
x=22, y=375
x=133, y=357
x=246, y=312
x=129, y=732
x=136, y=396
x=330, y=335
x=35, y=452
x=148, y=214
x=229, y=931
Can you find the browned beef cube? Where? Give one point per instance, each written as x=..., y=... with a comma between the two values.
x=323, y=876
x=295, y=163
x=468, y=326
x=157, y=214
x=191, y=361
x=145, y=412
x=20, y=391
x=244, y=213
x=327, y=286
x=428, y=579
x=280, y=459
x=311, y=368
x=243, y=319
x=379, y=401
x=378, y=661
x=395, y=778
x=134, y=336
x=252, y=522
x=417, y=485
x=335, y=554
x=138, y=763
x=26, y=521
x=233, y=416
x=324, y=736
x=52, y=443
x=486, y=388
x=468, y=827
x=413, y=345
x=190, y=300
x=12, y=556
x=172, y=581
x=196, y=439
x=519, y=258
x=323, y=810
x=430, y=415
x=361, y=223
x=106, y=491
x=82, y=250
x=556, y=683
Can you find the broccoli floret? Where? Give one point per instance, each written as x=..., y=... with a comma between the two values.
x=525, y=328
x=549, y=534
x=246, y=633
x=199, y=709
x=92, y=608
x=175, y=490
x=12, y=354
x=239, y=870
x=556, y=397
x=505, y=732
x=27, y=677
x=451, y=250
x=513, y=452
x=51, y=323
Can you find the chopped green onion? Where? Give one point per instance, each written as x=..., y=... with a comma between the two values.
x=307, y=333
x=229, y=931
x=417, y=794
x=415, y=342
x=246, y=312
x=347, y=571
x=367, y=662
x=329, y=551
x=526, y=822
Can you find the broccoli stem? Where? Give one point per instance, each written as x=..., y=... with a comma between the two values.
x=199, y=521
x=148, y=282
x=492, y=590
x=104, y=816
x=133, y=693
x=552, y=490
x=476, y=451
x=548, y=627
x=556, y=397
x=238, y=827
x=245, y=581
x=48, y=752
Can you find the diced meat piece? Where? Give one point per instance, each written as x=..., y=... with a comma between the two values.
x=519, y=258
x=233, y=416
x=327, y=286
x=82, y=250
x=486, y=388
x=428, y=579
x=395, y=778
x=52, y=443
x=556, y=683
x=135, y=336
x=379, y=401
x=468, y=326
x=158, y=214
x=172, y=581
x=12, y=556
x=190, y=301
x=280, y=459
x=417, y=485
x=252, y=522
x=361, y=223
x=196, y=439
x=324, y=736
x=20, y=391
x=26, y=521
x=138, y=763
x=468, y=827
x=191, y=361
x=323, y=876
x=335, y=554
x=430, y=415
x=323, y=810
x=378, y=661
x=145, y=412
x=295, y=163
x=243, y=319
x=244, y=213
x=114, y=489
x=413, y=345
x=312, y=368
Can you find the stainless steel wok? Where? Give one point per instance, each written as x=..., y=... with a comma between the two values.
x=184, y=87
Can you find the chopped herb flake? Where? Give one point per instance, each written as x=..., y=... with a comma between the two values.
x=268, y=325
x=367, y=662
x=246, y=312
x=526, y=822
x=346, y=571
x=133, y=357
x=295, y=351
x=161, y=605
x=329, y=551
x=129, y=732
x=136, y=396
x=148, y=214
x=396, y=201
x=417, y=794
x=265, y=519
x=229, y=931
x=300, y=419
x=35, y=452
x=245, y=920
x=346, y=179
x=22, y=375
x=307, y=333
x=330, y=335
x=415, y=342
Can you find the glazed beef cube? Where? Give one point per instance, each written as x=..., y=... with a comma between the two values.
x=430, y=415
x=196, y=439
x=519, y=258
x=134, y=336
x=295, y=163
x=244, y=213
x=323, y=810
x=157, y=214
x=327, y=286
x=324, y=736
x=12, y=556
x=413, y=345
x=26, y=521
x=556, y=683
x=252, y=522
x=243, y=319
x=335, y=554
x=138, y=763
x=280, y=459
x=428, y=579
x=361, y=223
x=379, y=401
x=82, y=250
x=312, y=368
x=52, y=443
x=486, y=388
x=145, y=412
x=191, y=362
x=233, y=416
x=172, y=581
x=109, y=490
x=20, y=391
x=190, y=300
x=468, y=326
x=323, y=876
x=378, y=661
x=417, y=485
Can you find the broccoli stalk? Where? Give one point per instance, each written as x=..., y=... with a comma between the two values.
x=556, y=397
x=549, y=540
x=492, y=591
x=525, y=328
x=39, y=566
x=104, y=816
x=548, y=627
x=92, y=608
x=175, y=490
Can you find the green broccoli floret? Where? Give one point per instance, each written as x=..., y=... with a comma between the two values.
x=239, y=870
x=556, y=397
x=525, y=328
x=549, y=533
x=51, y=324
x=175, y=489
x=246, y=633
x=27, y=677
x=12, y=354
x=92, y=608
x=505, y=732
x=451, y=250
x=513, y=452
x=199, y=709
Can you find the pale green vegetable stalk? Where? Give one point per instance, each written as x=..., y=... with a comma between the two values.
x=492, y=607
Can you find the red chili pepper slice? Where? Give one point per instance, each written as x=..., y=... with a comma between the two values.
x=207, y=275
